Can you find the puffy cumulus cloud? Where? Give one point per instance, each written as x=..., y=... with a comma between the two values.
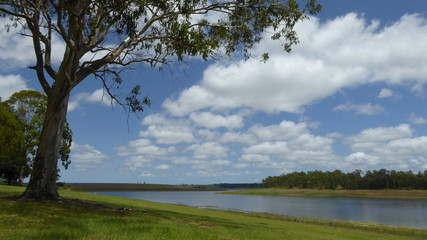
x=162, y=167
x=168, y=134
x=98, y=96
x=209, y=120
x=283, y=131
x=362, y=160
x=143, y=147
x=11, y=84
x=238, y=137
x=159, y=119
x=385, y=93
x=362, y=109
x=344, y=52
x=137, y=162
x=372, y=137
x=291, y=152
x=85, y=157
x=267, y=149
x=166, y=130
x=226, y=173
x=417, y=119
x=207, y=135
x=212, y=165
x=207, y=150
x=17, y=50
x=302, y=148
x=392, y=147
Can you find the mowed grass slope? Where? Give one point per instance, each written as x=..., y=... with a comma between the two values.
x=90, y=216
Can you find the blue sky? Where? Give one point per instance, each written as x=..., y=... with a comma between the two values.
x=350, y=96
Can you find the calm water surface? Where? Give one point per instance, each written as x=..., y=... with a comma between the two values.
x=411, y=213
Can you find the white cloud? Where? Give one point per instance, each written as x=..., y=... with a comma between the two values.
x=143, y=147
x=11, y=84
x=268, y=148
x=137, y=162
x=209, y=120
x=212, y=123
x=207, y=135
x=17, y=51
x=284, y=131
x=168, y=134
x=289, y=146
x=370, y=137
x=385, y=93
x=341, y=53
x=158, y=119
x=363, y=109
x=417, y=119
x=393, y=148
x=361, y=160
x=162, y=167
x=208, y=149
x=238, y=137
x=85, y=157
x=167, y=130
x=211, y=166
x=98, y=96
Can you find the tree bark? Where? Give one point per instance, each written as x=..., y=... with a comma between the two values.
x=42, y=185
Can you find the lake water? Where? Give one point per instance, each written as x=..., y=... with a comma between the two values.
x=410, y=213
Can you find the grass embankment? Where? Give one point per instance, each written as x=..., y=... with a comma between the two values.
x=391, y=194
x=91, y=216
x=129, y=187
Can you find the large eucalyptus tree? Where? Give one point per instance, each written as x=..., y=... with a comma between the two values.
x=118, y=33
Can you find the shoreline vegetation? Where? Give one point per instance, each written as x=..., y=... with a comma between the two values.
x=356, y=180
x=89, y=216
x=135, y=187
x=293, y=192
x=386, y=194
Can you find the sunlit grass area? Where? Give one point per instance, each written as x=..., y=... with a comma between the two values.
x=88, y=216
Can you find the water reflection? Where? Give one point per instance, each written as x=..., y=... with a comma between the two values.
x=411, y=213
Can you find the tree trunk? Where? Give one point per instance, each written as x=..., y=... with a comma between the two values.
x=42, y=185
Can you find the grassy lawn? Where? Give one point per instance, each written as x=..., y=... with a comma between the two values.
x=391, y=194
x=87, y=216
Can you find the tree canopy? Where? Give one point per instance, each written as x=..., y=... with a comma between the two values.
x=376, y=179
x=28, y=107
x=11, y=142
x=102, y=37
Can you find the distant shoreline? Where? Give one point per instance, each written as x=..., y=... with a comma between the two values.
x=129, y=187
x=384, y=194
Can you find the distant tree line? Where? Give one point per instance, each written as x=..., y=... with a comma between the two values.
x=376, y=179
x=237, y=185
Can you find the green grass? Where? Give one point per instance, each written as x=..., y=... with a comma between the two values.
x=103, y=217
x=390, y=194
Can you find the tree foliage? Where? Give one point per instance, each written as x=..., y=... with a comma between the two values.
x=376, y=179
x=29, y=108
x=102, y=37
x=11, y=142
